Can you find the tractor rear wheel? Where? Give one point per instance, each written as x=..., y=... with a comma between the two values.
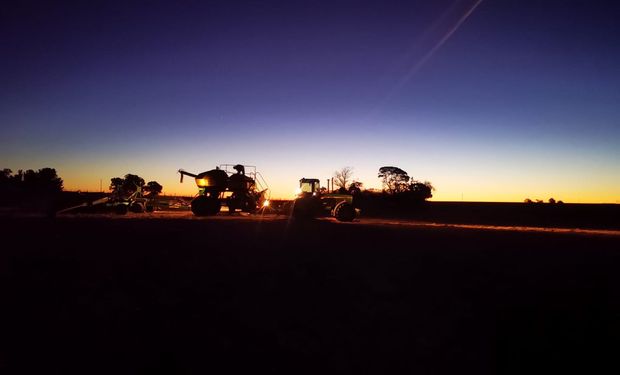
x=250, y=205
x=205, y=206
x=232, y=205
x=344, y=211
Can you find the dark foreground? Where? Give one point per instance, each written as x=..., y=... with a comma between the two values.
x=110, y=295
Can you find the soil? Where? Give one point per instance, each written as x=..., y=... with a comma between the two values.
x=177, y=294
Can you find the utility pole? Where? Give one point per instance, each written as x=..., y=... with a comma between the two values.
x=100, y=186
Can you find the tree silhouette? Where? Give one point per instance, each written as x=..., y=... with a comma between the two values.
x=45, y=180
x=123, y=187
x=48, y=180
x=116, y=184
x=342, y=177
x=132, y=182
x=153, y=188
x=5, y=175
x=394, y=179
x=31, y=190
x=29, y=180
x=421, y=190
x=18, y=177
x=355, y=187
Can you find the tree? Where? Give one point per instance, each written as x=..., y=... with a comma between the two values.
x=45, y=180
x=153, y=188
x=116, y=184
x=5, y=175
x=394, y=179
x=421, y=190
x=18, y=177
x=355, y=187
x=29, y=180
x=48, y=180
x=342, y=177
x=132, y=182
x=6, y=180
x=126, y=186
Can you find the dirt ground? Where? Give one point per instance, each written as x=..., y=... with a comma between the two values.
x=171, y=293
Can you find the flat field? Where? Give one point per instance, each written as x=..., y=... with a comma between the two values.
x=170, y=293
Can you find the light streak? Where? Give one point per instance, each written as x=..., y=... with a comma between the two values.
x=416, y=67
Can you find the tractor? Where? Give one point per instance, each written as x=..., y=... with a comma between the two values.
x=311, y=202
x=235, y=190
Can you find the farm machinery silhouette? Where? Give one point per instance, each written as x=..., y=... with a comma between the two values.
x=117, y=202
x=247, y=192
x=312, y=202
x=238, y=190
x=137, y=202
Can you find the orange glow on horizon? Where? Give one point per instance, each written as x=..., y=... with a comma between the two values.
x=456, y=184
x=280, y=191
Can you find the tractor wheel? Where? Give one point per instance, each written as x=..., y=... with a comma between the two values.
x=136, y=208
x=149, y=208
x=303, y=209
x=250, y=205
x=232, y=206
x=120, y=209
x=205, y=206
x=344, y=211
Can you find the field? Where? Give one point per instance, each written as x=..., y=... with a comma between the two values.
x=170, y=293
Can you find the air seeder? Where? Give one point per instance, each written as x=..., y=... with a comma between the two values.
x=238, y=187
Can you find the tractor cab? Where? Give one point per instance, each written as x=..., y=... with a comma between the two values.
x=309, y=187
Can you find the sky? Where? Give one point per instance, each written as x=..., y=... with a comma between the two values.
x=493, y=100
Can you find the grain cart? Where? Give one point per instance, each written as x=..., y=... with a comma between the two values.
x=311, y=202
x=222, y=187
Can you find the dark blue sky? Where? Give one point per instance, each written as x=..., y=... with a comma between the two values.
x=521, y=88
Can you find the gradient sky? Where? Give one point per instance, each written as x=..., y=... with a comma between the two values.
x=497, y=100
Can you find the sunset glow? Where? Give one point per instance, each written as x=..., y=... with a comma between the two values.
x=487, y=101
